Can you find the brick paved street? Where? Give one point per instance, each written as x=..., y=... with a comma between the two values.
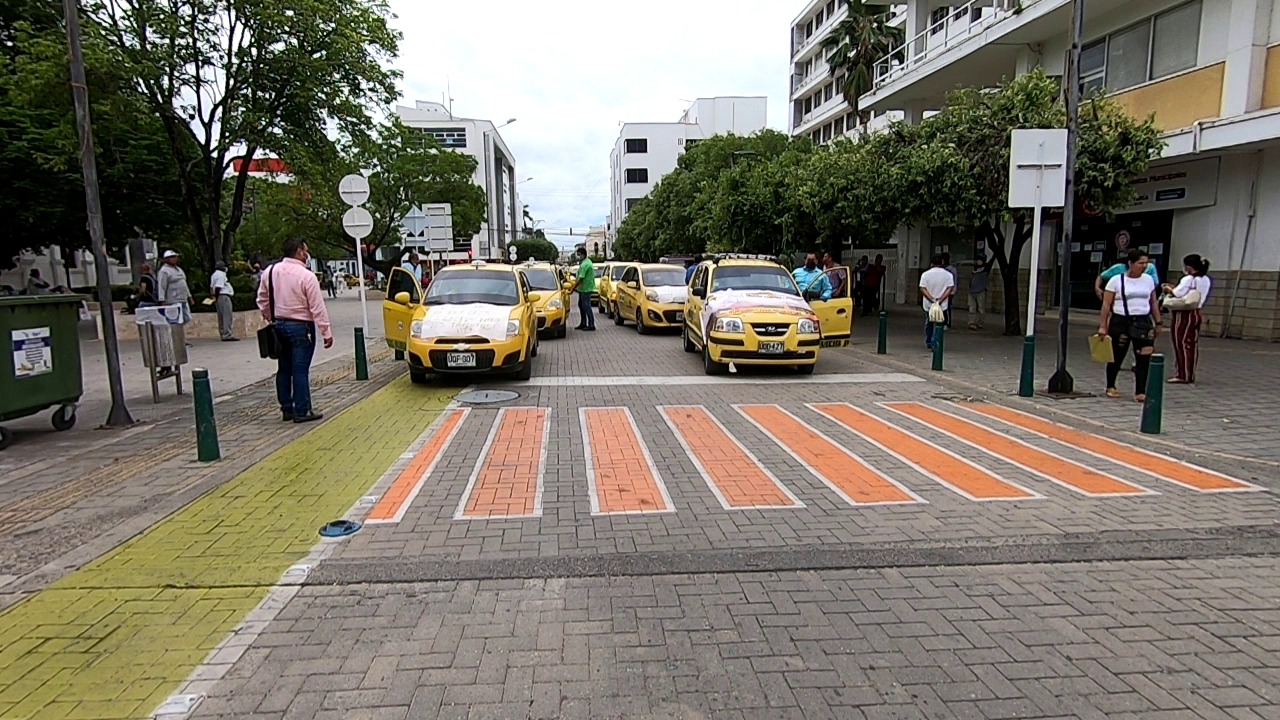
x=628, y=538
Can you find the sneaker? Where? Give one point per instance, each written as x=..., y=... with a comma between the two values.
x=286, y=417
x=309, y=417
x=590, y=329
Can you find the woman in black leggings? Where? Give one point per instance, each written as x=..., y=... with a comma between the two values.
x=1131, y=317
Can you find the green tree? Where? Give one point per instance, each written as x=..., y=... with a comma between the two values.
x=536, y=249
x=228, y=78
x=859, y=41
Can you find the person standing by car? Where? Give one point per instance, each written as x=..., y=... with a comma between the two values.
x=291, y=300
x=1187, y=319
x=812, y=280
x=585, y=285
x=222, y=291
x=836, y=275
x=1131, y=317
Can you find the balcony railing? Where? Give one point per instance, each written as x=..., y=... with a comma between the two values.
x=956, y=26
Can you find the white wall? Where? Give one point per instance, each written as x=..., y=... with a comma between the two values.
x=665, y=148
x=738, y=115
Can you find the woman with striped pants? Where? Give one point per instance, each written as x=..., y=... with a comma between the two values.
x=1187, y=321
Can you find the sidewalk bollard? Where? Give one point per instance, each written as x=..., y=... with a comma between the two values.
x=362, y=362
x=206, y=427
x=1153, y=408
x=939, y=333
x=882, y=342
x=1027, y=381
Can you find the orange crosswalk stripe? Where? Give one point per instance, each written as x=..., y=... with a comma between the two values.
x=391, y=507
x=621, y=476
x=1070, y=474
x=842, y=471
x=943, y=466
x=735, y=476
x=507, y=480
x=1149, y=463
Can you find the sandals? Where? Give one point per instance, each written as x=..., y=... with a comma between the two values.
x=1140, y=398
x=1178, y=381
x=1113, y=393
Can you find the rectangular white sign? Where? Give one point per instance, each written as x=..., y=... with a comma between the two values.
x=32, y=352
x=1038, y=168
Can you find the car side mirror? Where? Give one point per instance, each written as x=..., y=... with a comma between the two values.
x=535, y=297
x=633, y=285
x=402, y=298
x=700, y=292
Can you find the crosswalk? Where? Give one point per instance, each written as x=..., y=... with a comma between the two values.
x=965, y=449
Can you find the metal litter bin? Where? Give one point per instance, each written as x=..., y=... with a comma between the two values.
x=42, y=369
x=162, y=332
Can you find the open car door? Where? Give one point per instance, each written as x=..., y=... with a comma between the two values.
x=397, y=316
x=835, y=314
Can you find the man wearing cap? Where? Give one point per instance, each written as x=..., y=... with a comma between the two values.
x=222, y=291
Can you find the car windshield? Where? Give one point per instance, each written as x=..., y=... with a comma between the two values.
x=615, y=272
x=597, y=270
x=664, y=276
x=496, y=287
x=753, y=277
x=541, y=279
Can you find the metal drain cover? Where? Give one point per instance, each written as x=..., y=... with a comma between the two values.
x=487, y=397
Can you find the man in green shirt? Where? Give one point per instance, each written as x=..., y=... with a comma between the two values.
x=585, y=285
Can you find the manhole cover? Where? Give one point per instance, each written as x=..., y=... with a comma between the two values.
x=487, y=397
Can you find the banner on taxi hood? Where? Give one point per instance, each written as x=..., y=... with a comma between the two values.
x=480, y=319
x=732, y=302
x=668, y=294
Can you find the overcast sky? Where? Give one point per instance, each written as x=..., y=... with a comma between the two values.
x=570, y=71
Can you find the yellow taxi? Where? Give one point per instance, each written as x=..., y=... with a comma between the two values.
x=610, y=281
x=652, y=296
x=473, y=318
x=552, y=311
x=602, y=285
x=748, y=310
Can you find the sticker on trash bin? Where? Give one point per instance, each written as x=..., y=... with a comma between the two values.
x=32, y=352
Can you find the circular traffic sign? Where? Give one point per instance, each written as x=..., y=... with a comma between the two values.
x=354, y=189
x=512, y=252
x=357, y=222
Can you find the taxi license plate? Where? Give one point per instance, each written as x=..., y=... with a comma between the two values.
x=461, y=359
x=679, y=316
x=771, y=348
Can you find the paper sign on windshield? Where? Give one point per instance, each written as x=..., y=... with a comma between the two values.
x=741, y=301
x=668, y=294
x=479, y=319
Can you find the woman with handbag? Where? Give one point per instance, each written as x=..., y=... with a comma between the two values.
x=1184, y=303
x=1131, y=317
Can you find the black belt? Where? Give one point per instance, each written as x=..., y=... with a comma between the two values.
x=307, y=322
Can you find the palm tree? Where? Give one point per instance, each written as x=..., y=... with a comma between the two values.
x=859, y=42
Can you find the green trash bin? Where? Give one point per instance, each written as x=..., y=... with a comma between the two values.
x=42, y=367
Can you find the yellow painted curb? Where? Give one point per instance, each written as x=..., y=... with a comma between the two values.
x=115, y=638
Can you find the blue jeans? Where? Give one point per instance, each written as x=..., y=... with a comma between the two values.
x=584, y=308
x=931, y=328
x=293, y=376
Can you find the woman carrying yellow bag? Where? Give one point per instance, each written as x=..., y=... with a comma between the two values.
x=1133, y=321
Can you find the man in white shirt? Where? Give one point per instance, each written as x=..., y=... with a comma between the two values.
x=936, y=285
x=222, y=291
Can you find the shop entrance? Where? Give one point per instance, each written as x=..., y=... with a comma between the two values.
x=1099, y=243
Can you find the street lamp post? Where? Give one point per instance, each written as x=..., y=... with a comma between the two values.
x=1061, y=382
x=119, y=414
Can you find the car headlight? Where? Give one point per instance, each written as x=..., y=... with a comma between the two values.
x=652, y=296
x=555, y=304
x=807, y=326
x=728, y=325
x=415, y=329
x=513, y=328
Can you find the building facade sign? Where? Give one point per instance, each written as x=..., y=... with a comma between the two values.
x=1182, y=185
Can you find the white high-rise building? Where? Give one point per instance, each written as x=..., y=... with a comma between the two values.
x=645, y=152
x=495, y=172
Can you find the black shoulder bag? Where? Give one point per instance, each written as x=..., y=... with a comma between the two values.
x=268, y=339
x=1140, y=328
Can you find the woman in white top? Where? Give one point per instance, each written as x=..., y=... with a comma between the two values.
x=1131, y=317
x=1186, y=322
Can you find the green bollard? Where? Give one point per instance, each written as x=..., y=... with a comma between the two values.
x=882, y=342
x=1153, y=408
x=939, y=333
x=206, y=427
x=362, y=362
x=1027, y=381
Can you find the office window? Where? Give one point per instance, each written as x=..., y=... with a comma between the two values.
x=1093, y=67
x=1157, y=47
x=637, y=145
x=1127, y=56
x=840, y=125
x=817, y=20
x=938, y=20
x=691, y=142
x=448, y=137
x=637, y=175
x=1175, y=40
x=828, y=92
x=808, y=105
x=631, y=202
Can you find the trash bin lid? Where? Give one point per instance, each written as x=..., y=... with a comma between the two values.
x=41, y=299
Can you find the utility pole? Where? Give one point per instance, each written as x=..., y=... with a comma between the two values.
x=1061, y=383
x=119, y=415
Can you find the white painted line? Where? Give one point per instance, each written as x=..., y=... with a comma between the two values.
x=819, y=475
x=409, y=455
x=1028, y=468
x=1031, y=494
x=648, y=458
x=715, y=489
x=1248, y=486
x=739, y=379
x=484, y=455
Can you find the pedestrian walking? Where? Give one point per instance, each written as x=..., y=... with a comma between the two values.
x=1184, y=302
x=860, y=283
x=220, y=288
x=937, y=286
x=979, y=284
x=172, y=289
x=873, y=283
x=291, y=300
x=585, y=285
x=1134, y=321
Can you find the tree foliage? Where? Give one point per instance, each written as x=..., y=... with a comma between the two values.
x=766, y=193
x=536, y=249
x=858, y=42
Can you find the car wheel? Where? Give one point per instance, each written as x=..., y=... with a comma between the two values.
x=417, y=377
x=689, y=347
x=563, y=331
x=807, y=369
x=526, y=371
x=617, y=318
x=640, y=328
x=534, y=352
x=711, y=367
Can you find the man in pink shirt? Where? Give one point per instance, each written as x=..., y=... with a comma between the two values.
x=290, y=299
